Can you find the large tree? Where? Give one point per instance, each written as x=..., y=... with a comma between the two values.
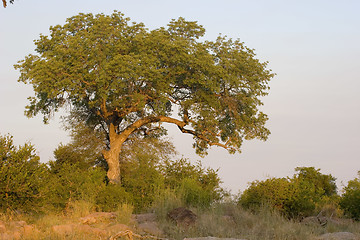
x=126, y=80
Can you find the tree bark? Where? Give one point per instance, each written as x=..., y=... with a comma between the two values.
x=112, y=156
x=113, y=160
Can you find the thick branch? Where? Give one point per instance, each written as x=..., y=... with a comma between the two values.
x=141, y=122
x=202, y=137
x=181, y=125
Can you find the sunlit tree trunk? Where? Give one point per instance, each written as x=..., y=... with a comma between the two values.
x=112, y=155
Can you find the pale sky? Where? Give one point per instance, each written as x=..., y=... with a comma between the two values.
x=314, y=103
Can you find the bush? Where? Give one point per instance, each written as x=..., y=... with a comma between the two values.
x=110, y=197
x=21, y=176
x=197, y=185
x=350, y=200
x=295, y=197
x=72, y=183
x=193, y=194
x=273, y=191
x=142, y=179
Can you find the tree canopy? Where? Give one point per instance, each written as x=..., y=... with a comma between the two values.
x=125, y=80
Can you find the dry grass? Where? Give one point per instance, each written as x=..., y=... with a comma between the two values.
x=230, y=221
x=225, y=220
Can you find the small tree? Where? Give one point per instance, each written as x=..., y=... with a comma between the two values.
x=125, y=80
x=21, y=176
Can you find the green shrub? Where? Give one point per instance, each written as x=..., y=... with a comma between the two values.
x=197, y=185
x=142, y=179
x=72, y=183
x=350, y=200
x=21, y=176
x=273, y=191
x=193, y=194
x=295, y=197
x=110, y=197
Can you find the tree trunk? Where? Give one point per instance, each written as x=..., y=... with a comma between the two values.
x=112, y=156
x=113, y=160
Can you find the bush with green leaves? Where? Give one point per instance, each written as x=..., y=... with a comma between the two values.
x=69, y=183
x=112, y=196
x=272, y=191
x=142, y=179
x=197, y=185
x=296, y=197
x=350, y=200
x=21, y=176
x=193, y=194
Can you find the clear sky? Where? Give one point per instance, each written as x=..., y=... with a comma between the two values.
x=314, y=101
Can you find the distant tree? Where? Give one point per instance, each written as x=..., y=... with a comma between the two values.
x=5, y=4
x=125, y=80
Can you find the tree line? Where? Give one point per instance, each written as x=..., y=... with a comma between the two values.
x=28, y=185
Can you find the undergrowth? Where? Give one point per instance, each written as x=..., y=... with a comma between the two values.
x=222, y=220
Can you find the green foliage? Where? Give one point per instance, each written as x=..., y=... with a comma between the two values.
x=123, y=79
x=197, y=186
x=21, y=176
x=193, y=194
x=350, y=200
x=69, y=183
x=146, y=171
x=322, y=184
x=143, y=180
x=111, y=196
x=124, y=213
x=273, y=191
x=85, y=146
x=295, y=197
x=310, y=191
